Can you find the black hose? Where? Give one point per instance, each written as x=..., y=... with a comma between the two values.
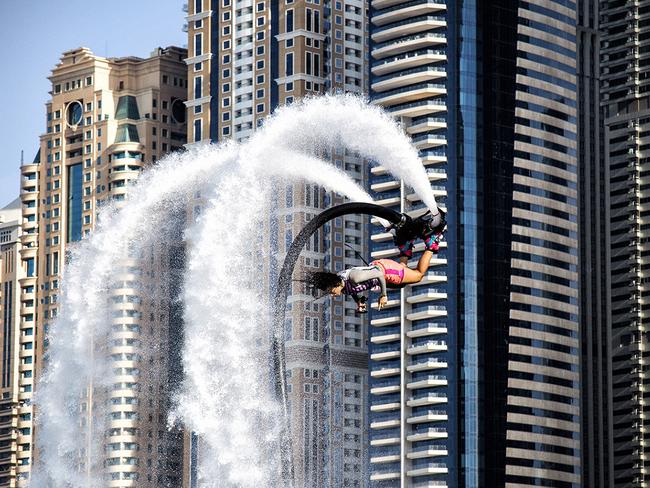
x=280, y=306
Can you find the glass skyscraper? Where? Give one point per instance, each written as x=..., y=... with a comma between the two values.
x=475, y=370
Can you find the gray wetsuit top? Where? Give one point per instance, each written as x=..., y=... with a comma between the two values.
x=362, y=278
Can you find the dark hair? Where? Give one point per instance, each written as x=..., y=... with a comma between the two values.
x=322, y=280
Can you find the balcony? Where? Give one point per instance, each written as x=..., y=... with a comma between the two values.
x=428, y=399
x=406, y=44
x=429, y=451
x=430, y=312
x=417, y=109
x=385, y=320
x=386, y=440
x=384, y=372
x=385, y=407
x=437, y=468
x=426, y=364
x=427, y=141
x=385, y=459
x=385, y=424
x=412, y=93
x=408, y=26
x=431, y=416
x=426, y=124
x=411, y=76
x=431, y=433
x=391, y=184
x=430, y=382
x=408, y=60
x=379, y=356
x=426, y=296
x=428, y=330
x=385, y=387
x=384, y=338
x=405, y=10
x=389, y=475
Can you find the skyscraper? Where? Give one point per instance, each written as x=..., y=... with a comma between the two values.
x=476, y=369
x=626, y=119
x=107, y=119
x=17, y=331
x=245, y=59
x=594, y=308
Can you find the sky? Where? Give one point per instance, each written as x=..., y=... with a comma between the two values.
x=34, y=33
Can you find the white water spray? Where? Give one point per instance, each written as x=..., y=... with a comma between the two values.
x=226, y=395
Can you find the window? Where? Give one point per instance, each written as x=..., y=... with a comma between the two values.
x=288, y=21
x=226, y=44
x=260, y=6
x=260, y=64
x=198, y=87
x=260, y=108
x=198, y=6
x=260, y=36
x=259, y=79
x=316, y=64
x=288, y=64
x=316, y=21
x=289, y=43
x=226, y=30
x=226, y=16
x=226, y=73
x=260, y=93
x=225, y=131
x=226, y=58
x=308, y=19
x=198, y=44
x=260, y=21
x=308, y=63
x=197, y=130
x=226, y=87
x=225, y=116
x=289, y=86
x=260, y=50
x=289, y=196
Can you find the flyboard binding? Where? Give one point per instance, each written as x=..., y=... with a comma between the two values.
x=409, y=228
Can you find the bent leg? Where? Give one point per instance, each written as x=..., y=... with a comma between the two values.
x=415, y=275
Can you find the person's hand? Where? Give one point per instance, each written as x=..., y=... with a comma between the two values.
x=362, y=307
x=383, y=300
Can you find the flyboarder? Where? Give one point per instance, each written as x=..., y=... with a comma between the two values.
x=387, y=273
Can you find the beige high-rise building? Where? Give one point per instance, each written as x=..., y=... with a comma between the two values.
x=246, y=58
x=16, y=334
x=107, y=119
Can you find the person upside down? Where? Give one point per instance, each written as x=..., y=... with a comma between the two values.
x=383, y=273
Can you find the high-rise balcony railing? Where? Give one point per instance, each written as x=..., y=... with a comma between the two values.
x=408, y=60
x=410, y=92
x=428, y=363
x=408, y=26
x=408, y=9
x=408, y=43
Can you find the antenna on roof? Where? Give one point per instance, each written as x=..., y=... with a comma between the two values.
x=22, y=157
